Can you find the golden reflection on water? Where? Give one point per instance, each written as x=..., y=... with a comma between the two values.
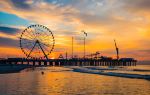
x=57, y=81
x=52, y=83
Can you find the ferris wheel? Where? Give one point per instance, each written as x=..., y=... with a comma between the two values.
x=37, y=42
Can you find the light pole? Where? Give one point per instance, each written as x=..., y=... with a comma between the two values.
x=85, y=35
x=72, y=47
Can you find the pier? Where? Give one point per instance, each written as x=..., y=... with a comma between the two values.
x=69, y=62
x=39, y=46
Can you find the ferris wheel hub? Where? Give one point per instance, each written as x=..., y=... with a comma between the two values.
x=37, y=41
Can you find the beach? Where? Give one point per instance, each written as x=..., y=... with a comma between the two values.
x=66, y=81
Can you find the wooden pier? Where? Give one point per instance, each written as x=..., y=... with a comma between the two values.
x=69, y=62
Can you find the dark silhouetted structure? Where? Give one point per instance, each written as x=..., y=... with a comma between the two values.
x=102, y=61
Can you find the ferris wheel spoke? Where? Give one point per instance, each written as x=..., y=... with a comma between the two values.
x=46, y=45
x=44, y=41
x=41, y=39
x=39, y=30
x=34, y=35
x=30, y=32
x=31, y=36
x=27, y=46
x=44, y=34
x=36, y=31
x=31, y=50
x=27, y=41
x=27, y=36
x=37, y=40
x=31, y=43
x=45, y=49
x=45, y=38
x=42, y=50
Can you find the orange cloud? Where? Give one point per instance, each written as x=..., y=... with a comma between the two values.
x=103, y=21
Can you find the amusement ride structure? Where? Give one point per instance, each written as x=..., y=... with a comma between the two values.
x=37, y=42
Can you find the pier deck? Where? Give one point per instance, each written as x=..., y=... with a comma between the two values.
x=69, y=62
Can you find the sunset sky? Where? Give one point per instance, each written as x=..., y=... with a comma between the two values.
x=127, y=21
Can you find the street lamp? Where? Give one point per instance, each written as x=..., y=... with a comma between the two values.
x=85, y=35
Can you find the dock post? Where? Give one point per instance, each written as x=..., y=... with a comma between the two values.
x=45, y=63
x=33, y=63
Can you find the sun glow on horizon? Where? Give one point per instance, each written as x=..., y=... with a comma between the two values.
x=103, y=20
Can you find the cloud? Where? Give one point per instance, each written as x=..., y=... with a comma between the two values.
x=139, y=9
x=23, y=4
x=145, y=51
x=12, y=20
x=103, y=20
x=7, y=42
x=8, y=30
x=138, y=4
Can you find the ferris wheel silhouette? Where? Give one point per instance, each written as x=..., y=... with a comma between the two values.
x=37, y=42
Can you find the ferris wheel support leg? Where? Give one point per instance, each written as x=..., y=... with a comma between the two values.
x=43, y=51
x=31, y=50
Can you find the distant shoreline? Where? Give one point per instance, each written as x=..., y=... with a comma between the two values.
x=143, y=62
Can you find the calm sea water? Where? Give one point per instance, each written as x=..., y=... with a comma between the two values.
x=62, y=81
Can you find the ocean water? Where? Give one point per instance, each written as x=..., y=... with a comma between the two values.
x=63, y=81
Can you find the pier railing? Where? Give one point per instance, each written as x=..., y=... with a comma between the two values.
x=69, y=62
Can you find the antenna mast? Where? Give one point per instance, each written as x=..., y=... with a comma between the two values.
x=117, y=49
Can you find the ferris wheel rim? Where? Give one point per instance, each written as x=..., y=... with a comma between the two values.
x=37, y=25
